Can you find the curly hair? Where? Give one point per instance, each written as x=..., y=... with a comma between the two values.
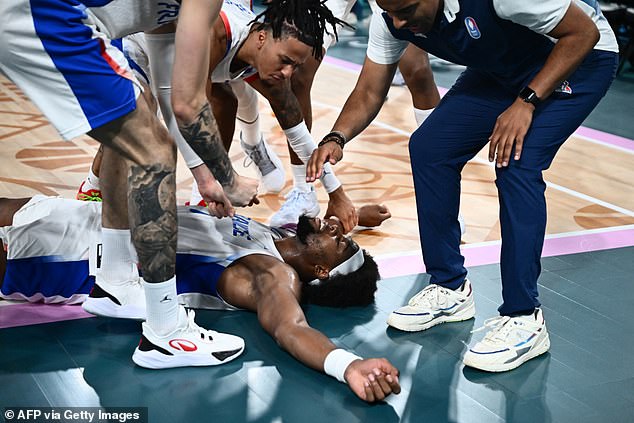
x=354, y=289
x=306, y=20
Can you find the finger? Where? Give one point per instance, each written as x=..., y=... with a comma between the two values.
x=213, y=210
x=369, y=394
x=376, y=388
x=493, y=140
x=519, y=143
x=393, y=381
x=506, y=153
x=501, y=148
x=381, y=378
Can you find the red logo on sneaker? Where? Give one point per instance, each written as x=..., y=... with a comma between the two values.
x=183, y=345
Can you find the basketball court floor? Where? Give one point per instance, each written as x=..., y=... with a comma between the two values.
x=54, y=356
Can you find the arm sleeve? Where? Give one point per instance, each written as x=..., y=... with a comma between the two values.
x=161, y=52
x=540, y=16
x=383, y=48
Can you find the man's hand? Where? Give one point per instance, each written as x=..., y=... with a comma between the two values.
x=243, y=192
x=212, y=192
x=372, y=379
x=340, y=205
x=373, y=215
x=329, y=152
x=510, y=129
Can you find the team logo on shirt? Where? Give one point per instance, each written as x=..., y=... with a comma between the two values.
x=472, y=27
x=564, y=88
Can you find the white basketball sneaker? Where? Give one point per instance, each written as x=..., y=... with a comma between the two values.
x=125, y=301
x=434, y=305
x=510, y=342
x=268, y=165
x=298, y=202
x=187, y=345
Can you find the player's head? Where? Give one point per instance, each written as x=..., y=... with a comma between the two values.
x=288, y=33
x=415, y=15
x=336, y=271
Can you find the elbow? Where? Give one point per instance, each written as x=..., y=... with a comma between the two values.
x=186, y=110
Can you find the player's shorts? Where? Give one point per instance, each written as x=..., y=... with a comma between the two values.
x=55, y=54
x=49, y=247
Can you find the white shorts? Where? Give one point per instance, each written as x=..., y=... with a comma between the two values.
x=51, y=50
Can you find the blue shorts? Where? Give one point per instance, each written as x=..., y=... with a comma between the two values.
x=56, y=55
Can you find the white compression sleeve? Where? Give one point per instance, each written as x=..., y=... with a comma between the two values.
x=303, y=145
x=248, y=114
x=161, y=52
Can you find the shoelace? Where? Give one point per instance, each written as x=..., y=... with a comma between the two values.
x=500, y=329
x=194, y=328
x=257, y=154
x=429, y=296
x=292, y=197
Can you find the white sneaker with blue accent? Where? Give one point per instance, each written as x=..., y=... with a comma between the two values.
x=434, y=305
x=298, y=202
x=511, y=342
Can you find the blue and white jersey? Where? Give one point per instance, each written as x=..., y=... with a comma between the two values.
x=118, y=18
x=236, y=17
x=54, y=251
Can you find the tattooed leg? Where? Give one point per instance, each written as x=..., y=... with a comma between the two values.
x=152, y=213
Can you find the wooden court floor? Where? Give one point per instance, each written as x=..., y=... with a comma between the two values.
x=590, y=182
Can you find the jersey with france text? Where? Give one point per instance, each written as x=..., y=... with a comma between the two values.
x=118, y=18
x=54, y=251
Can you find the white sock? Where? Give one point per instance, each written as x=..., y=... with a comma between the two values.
x=421, y=115
x=161, y=306
x=250, y=131
x=248, y=114
x=195, y=197
x=92, y=181
x=299, y=177
x=118, y=266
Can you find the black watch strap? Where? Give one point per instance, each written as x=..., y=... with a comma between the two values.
x=335, y=136
x=529, y=96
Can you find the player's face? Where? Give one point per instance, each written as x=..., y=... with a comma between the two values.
x=416, y=15
x=328, y=238
x=278, y=59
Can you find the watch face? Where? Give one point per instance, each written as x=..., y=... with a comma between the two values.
x=529, y=96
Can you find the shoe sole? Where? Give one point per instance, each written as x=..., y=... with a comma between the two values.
x=466, y=314
x=540, y=349
x=105, y=307
x=156, y=360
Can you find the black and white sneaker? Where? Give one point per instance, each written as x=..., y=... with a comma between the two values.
x=125, y=301
x=187, y=345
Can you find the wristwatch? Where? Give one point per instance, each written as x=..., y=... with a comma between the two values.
x=529, y=96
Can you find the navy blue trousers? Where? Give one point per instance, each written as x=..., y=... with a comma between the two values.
x=455, y=132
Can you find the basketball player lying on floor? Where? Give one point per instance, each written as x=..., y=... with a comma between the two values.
x=230, y=263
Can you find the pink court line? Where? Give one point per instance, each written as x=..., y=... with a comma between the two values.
x=611, y=139
x=489, y=253
x=25, y=314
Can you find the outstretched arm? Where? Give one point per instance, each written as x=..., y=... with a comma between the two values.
x=360, y=109
x=274, y=293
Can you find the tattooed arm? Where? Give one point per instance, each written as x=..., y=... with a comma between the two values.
x=196, y=123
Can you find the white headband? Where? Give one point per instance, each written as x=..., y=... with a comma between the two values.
x=354, y=263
